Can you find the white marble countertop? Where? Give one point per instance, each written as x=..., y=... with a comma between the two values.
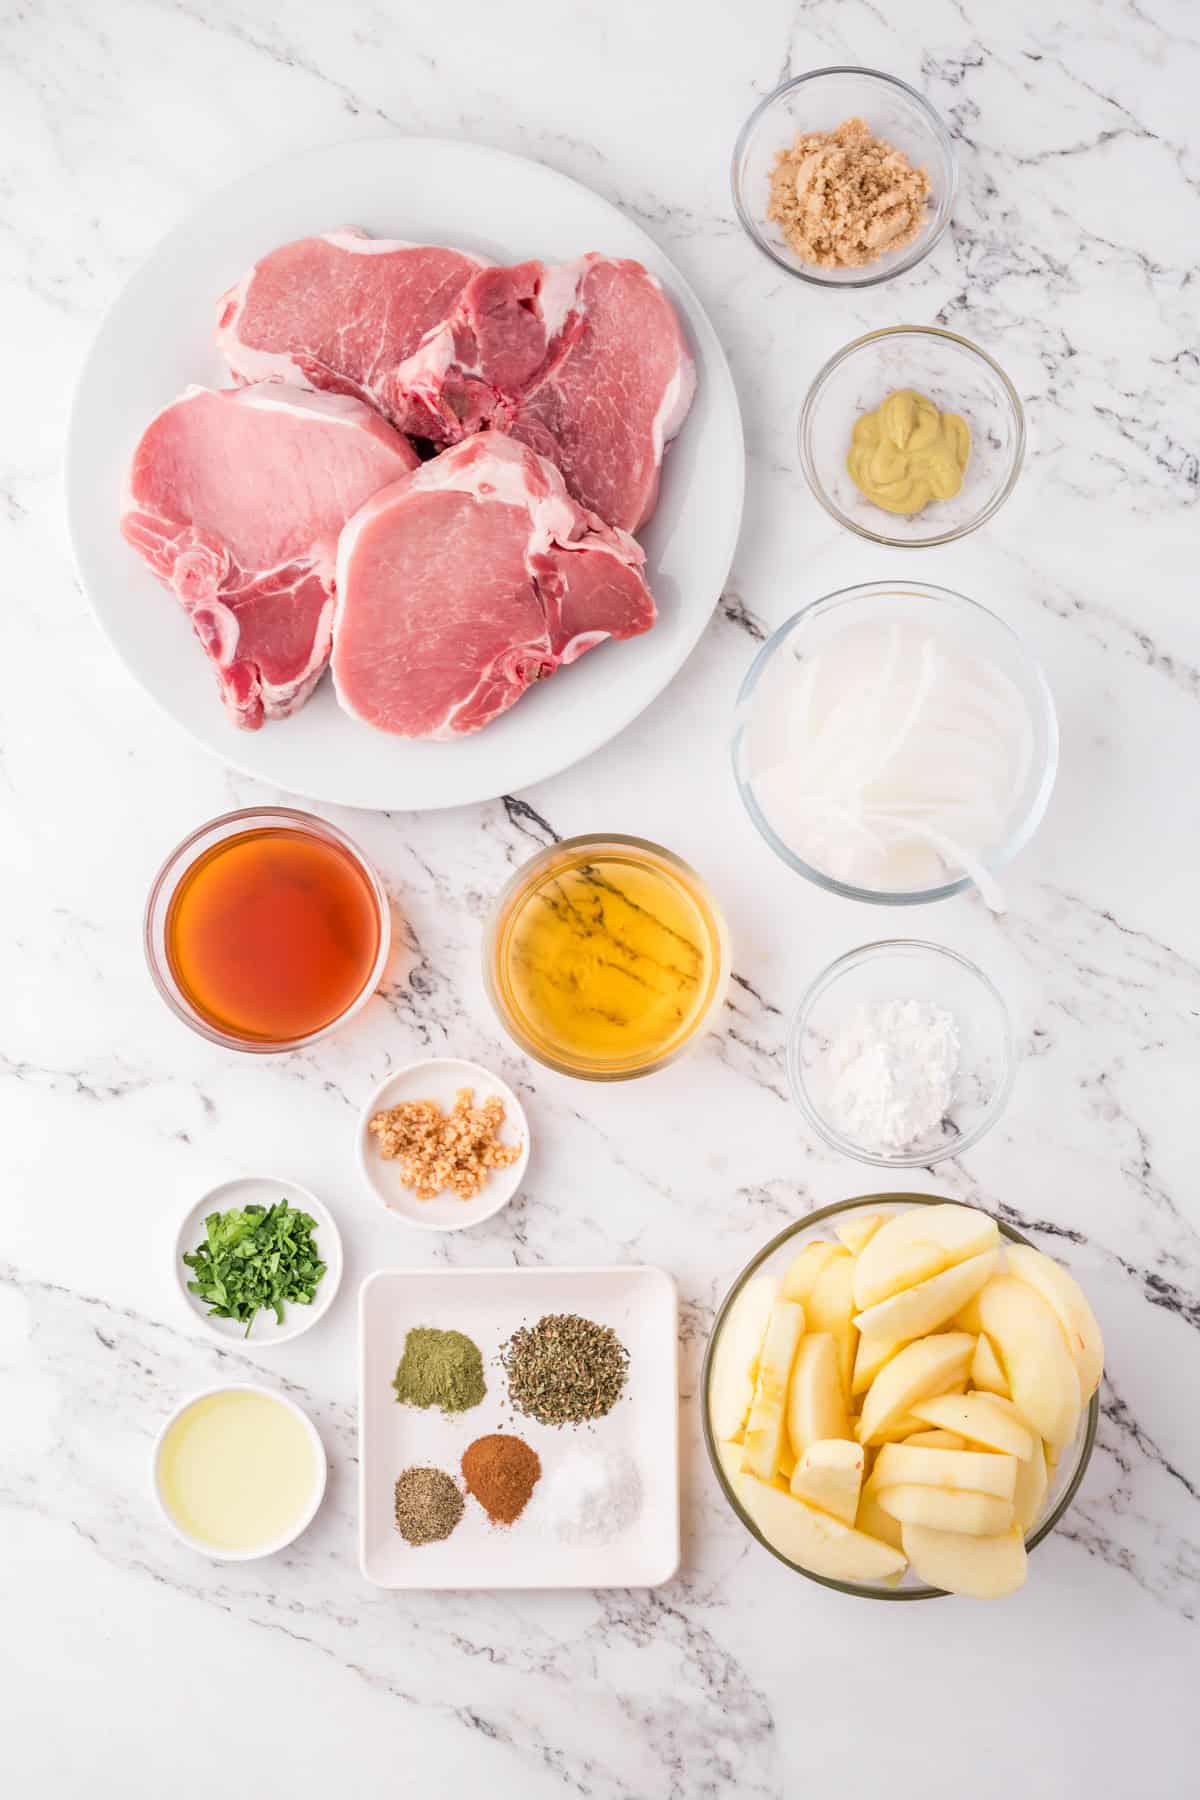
x=131, y=1666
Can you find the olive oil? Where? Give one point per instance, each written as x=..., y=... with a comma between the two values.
x=237, y=1471
x=607, y=956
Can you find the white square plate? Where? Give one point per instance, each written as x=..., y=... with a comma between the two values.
x=488, y=1305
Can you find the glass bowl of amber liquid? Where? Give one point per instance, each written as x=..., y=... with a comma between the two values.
x=266, y=929
x=605, y=956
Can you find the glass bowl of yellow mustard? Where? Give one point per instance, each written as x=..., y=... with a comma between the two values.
x=605, y=957
x=912, y=436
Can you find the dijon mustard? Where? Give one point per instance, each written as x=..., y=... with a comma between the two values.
x=907, y=453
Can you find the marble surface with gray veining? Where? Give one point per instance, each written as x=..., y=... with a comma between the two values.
x=129, y=1665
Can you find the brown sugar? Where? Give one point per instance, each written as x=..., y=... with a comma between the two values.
x=842, y=198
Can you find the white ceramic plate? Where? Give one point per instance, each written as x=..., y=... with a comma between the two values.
x=260, y=1190
x=440, y=1079
x=488, y=1305
x=158, y=338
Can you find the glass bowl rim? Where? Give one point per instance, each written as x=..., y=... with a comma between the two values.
x=918, y=251
x=923, y=590
x=912, y=1159
x=520, y=877
x=180, y=859
x=858, y=1590
x=808, y=462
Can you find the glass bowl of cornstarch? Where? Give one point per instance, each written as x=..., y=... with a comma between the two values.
x=901, y=1054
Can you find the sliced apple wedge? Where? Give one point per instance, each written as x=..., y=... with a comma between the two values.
x=829, y=1476
x=816, y=1540
x=901, y=1429
x=802, y=1271
x=872, y=1519
x=970, y=1471
x=916, y=1311
x=986, y=1372
x=914, y=1245
x=855, y=1233
x=983, y=1567
x=1067, y=1301
x=765, y=1428
x=947, y=1509
x=735, y=1358
x=979, y=1419
x=1040, y=1370
x=869, y=1357
x=935, y=1440
x=917, y=1372
x=1030, y=1491
x=830, y=1307
x=816, y=1405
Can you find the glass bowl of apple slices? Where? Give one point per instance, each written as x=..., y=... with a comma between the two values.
x=900, y=1397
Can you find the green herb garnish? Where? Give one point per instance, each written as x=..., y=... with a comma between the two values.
x=255, y=1257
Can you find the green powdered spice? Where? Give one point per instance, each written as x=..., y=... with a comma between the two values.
x=439, y=1368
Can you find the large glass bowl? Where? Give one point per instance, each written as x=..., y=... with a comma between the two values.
x=772, y=1259
x=958, y=377
x=820, y=101
x=963, y=623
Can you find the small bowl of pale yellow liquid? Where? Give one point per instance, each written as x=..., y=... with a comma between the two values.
x=239, y=1472
x=605, y=957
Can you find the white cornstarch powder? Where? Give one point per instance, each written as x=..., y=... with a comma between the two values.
x=586, y=1498
x=891, y=1074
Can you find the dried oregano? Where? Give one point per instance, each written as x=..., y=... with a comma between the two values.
x=565, y=1369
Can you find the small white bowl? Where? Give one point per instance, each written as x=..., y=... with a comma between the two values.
x=293, y=1531
x=261, y=1190
x=440, y=1079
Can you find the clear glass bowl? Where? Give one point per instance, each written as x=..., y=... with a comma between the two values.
x=906, y=969
x=177, y=866
x=572, y=853
x=819, y=101
x=772, y=1259
x=963, y=623
x=958, y=377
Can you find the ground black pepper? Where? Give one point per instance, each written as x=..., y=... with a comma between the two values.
x=428, y=1505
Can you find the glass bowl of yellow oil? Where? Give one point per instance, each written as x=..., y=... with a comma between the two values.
x=605, y=956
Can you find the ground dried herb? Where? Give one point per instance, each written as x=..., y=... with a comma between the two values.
x=439, y=1368
x=428, y=1505
x=501, y=1472
x=565, y=1369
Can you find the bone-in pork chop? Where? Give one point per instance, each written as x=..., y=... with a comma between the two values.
x=341, y=312
x=466, y=581
x=236, y=499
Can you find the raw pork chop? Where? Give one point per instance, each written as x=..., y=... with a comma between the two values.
x=615, y=388
x=341, y=312
x=469, y=371
x=236, y=500
x=469, y=579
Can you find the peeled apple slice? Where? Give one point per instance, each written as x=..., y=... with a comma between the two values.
x=869, y=1358
x=1032, y=1348
x=814, y=1539
x=947, y=1509
x=830, y=1306
x=985, y=1568
x=767, y=1422
x=1030, y=1492
x=917, y=1244
x=917, y=1372
x=979, y=1419
x=915, y=1311
x=872, y=1519
x=816, y=1406
x=803, y=1270
x=735, y=1358
x=935, y=1440
x=829, y=1476
x=986, y=1372
x=854, y=1233
x=971, y=1471
x=1068, y=1302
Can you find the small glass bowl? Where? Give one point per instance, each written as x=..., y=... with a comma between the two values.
x=962, y=622
x=906, y=969
x=572, y=853
x=177, y=866
x=820, y=101
x=958, y=377
x=773, y=1259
